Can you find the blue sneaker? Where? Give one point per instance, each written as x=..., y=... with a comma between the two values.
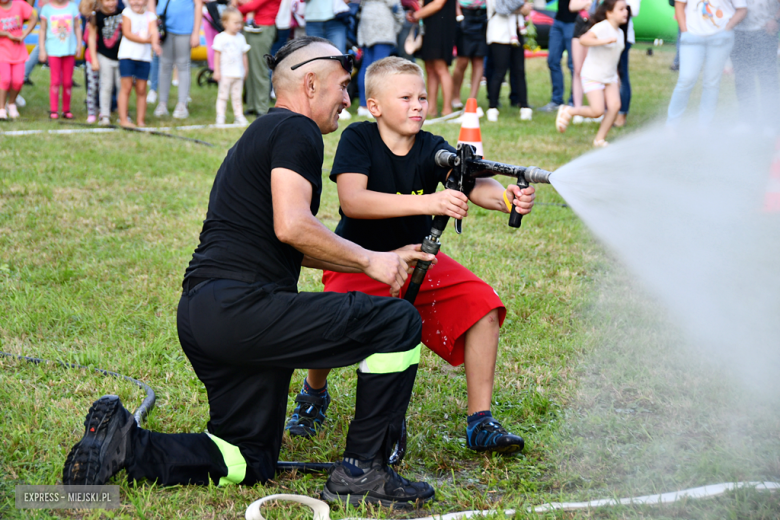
x=308, y=415
x=489, y=435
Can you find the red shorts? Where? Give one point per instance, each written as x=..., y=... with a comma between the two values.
x=451, y=300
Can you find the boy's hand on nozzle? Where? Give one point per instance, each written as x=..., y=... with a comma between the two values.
x=523, y=199
x=451, y=203
x=412, y=253
x=388, y=268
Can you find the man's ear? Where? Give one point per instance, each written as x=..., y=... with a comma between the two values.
x=373, y=107
x=310, y=84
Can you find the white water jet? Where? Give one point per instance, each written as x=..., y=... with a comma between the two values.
x=686, y=211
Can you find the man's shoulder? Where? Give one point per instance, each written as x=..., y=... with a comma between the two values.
x=284, y=121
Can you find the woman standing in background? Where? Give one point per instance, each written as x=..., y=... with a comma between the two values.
x=472, y=46
x=439, y=23
x=706, y=40
x=182, y=25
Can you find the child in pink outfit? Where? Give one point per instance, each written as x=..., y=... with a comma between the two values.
x=60, y=43
x=13, y=52
x=230, y=65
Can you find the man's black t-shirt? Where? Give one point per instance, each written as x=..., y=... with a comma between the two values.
x=361, y=150
x=109, y=33
x=238, y=241
x=564, y=15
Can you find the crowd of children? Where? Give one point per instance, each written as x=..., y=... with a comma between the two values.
x=123, y=46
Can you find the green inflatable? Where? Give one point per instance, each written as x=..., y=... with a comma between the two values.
x=655, y=20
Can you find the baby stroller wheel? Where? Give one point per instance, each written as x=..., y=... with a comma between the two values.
x=205, y=77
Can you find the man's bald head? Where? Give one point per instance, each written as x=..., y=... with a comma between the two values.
x=286, y=80
x=317, y=89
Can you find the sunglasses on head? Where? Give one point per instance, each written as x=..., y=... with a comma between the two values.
x=346, y=60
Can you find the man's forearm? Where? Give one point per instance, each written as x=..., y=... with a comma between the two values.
x=315, y=263
x=309, y=236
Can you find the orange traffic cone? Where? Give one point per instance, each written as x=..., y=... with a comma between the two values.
x=772, y=198
x=469, y=128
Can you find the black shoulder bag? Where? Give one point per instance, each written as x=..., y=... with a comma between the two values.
x=161, y=29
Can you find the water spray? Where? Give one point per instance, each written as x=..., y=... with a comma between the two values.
x=467, y=167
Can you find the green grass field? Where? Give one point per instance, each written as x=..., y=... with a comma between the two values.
x=95, y=233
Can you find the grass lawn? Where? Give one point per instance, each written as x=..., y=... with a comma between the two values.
x=97, y=229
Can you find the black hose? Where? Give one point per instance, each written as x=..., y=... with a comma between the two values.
x=141, y=130
x=140, y=413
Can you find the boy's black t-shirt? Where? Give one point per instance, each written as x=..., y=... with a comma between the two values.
x=563, y=14
x=109, y=32
x=238, y=241
x=361, y=150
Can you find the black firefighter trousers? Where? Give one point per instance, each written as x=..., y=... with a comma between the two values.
x=244, y=341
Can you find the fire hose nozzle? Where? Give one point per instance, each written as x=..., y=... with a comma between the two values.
x=537, y=175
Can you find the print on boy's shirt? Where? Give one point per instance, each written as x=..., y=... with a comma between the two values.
x=112, y=30
x=11, y=23
x=418, y=192
x=62, y=26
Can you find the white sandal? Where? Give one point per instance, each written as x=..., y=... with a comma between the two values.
x=563, y=118
x=600, y=143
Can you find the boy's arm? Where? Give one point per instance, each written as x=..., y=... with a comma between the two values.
x=359, y=202
x=489, y=194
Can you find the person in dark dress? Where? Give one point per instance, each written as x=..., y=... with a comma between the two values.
x=438, y=18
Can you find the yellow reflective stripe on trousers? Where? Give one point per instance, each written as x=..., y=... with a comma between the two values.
x=391, y=362
x=235, y=462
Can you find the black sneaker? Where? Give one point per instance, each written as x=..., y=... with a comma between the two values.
x=309, y=415
x=489, y=435
x=103, y=450
x=380, y=484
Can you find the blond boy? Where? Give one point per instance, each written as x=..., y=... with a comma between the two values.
x=387, y=180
